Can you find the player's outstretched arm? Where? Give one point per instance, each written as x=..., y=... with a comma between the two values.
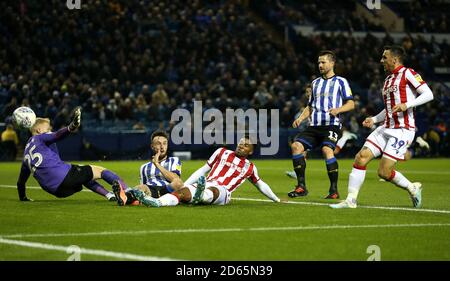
x=23, y=177
x=76, y=119
x=200, y=172
x=63, y=132
x=264, y=188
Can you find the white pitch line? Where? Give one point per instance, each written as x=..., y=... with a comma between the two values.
x=31, y=187
x=368, y=171
x=85, y=251
x=306, y=203
x=215, y=230
x=365, y=207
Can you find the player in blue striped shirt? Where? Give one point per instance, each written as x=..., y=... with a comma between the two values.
x=159, y=176
x=331, y=96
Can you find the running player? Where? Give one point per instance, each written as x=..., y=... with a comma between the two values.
x=403, y=90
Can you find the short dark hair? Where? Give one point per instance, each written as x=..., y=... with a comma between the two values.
x=159, y=133
x=328, y=53
x=252, y=140
x=396, y=51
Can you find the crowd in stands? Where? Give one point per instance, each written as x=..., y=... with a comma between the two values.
x=423, y=15
x=138, y=60
x=322, y=15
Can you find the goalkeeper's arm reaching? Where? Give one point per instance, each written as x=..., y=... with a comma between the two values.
x=76, y=119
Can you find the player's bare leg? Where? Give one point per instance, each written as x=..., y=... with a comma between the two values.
x=408, y=156
x=387, y=171
x=356, y=178
x=346, y=136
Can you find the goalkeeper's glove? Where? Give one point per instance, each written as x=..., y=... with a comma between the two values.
x=76, y=120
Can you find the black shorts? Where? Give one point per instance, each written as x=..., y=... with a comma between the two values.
x=321, y=136
x=158, y=191
x=74, y=180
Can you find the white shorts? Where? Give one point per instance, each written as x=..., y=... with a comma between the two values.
x=391, y=143
x=224, y=195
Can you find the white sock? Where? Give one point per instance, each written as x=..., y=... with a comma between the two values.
x=355, y=181
x=208, y=196
x=168, y=200
x=341, y=142
x=109, y=195
x=401, y=181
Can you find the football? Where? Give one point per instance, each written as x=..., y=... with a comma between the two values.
x=24, y=117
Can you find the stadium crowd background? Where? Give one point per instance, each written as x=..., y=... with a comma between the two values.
x=131, y=63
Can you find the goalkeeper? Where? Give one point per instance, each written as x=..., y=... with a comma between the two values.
x=42, y=160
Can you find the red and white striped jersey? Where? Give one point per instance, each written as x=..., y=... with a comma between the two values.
x=399, y=87
x=229, y=170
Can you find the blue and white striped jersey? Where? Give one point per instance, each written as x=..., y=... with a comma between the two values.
x=151, y=176
x=327, y=94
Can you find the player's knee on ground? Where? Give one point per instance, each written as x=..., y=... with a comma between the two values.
x=297, y=148
x=363, y=157
x=177, y=184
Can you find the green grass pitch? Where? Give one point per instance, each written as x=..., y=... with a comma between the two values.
x=243, y=230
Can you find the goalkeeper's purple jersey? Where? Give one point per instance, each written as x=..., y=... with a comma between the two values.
x=41, y=157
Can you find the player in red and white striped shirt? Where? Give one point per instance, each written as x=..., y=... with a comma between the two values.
x=403, y=90
x=227, y=171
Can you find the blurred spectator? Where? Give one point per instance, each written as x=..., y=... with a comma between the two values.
x=159, y=96
x=9, y=144
x=9, y=108
x=139, y=126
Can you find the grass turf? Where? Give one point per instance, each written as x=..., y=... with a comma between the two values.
x=242, y=230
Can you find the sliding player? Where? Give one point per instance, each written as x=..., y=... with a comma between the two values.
x=227, y=171
x=158, y=177
x=41, y=158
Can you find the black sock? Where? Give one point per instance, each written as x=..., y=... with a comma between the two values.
x=299, y=163
x=332, y=168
